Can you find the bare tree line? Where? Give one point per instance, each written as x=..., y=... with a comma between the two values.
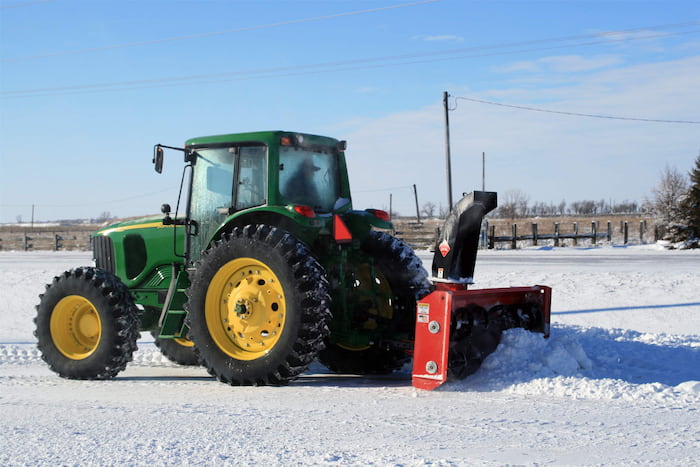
x=516, y=204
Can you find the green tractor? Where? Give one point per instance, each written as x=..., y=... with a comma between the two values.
x=263, y=268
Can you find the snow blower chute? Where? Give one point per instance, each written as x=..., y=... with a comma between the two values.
x=457, y=328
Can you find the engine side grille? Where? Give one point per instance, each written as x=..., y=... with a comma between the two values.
x=103, y=251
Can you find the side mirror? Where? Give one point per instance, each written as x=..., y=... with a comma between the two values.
x=158, y=158
x=165, y=209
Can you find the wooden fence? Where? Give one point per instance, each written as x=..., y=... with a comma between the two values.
x=558, y=234
x=43, y=238
x=418, y=235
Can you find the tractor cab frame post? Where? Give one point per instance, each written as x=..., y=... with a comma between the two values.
x=191, y=226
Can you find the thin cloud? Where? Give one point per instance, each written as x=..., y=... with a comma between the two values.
x=562, y=64
x=439, y=38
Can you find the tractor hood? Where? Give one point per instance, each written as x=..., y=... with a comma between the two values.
x=132, y=224
x=139, y=251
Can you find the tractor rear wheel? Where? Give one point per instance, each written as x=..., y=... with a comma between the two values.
x=258, y=307
x=398, y=281
x=179, y=350
x=87, y=324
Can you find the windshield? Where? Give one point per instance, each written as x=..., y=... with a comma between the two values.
x=220, y=187
x=213, y=179
x=309, y=177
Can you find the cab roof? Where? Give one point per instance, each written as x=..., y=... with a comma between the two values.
x=267, y=137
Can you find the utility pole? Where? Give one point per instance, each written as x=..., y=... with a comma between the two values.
x=415, y=193
x=391, y=199
x=448, y=162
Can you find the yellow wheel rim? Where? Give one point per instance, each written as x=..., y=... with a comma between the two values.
x=353, y=349
x=75, y=327
x=377, y=290
x=245, y=309
x=183, y=341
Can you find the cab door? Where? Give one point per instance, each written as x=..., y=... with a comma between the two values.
x=226, y=179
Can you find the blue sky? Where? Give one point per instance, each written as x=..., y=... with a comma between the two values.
x=88, y=87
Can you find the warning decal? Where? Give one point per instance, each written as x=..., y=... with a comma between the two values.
x=423, y=313
x=444, y=248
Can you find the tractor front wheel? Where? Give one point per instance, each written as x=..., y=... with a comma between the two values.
x=87, y=324
x=179, y=350
x=258, y=307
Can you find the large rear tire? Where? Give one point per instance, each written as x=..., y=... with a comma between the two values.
x=87, y=324
x=401, y=280
x=258, y=307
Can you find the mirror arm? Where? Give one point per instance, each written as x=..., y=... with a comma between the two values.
x=158, y=155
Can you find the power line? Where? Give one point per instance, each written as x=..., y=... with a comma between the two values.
x=215, y=33
x=574, y=114
x=93, y=203
x=15, y=5
x=328, y=67
x=603, y=34
x=376, y=190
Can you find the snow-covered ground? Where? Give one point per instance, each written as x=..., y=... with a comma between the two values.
x=617, y=383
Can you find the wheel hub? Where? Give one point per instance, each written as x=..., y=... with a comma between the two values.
x=75, y=327
x=245, y=309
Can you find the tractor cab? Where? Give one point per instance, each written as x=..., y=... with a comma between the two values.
x=241, y=175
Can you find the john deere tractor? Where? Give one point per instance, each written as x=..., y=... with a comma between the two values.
x=263, y=268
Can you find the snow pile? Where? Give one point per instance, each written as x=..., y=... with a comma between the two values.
x=691, y=387
x=592, y=363
x=523, y=356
